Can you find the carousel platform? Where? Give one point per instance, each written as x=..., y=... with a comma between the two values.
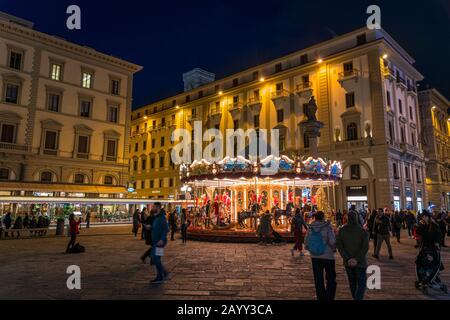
x=232, y=235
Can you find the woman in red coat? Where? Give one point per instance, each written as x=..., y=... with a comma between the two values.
x=73, y=231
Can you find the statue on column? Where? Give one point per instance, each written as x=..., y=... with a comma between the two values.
x=311, y=109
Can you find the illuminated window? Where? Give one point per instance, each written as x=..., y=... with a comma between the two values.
x=86, y=80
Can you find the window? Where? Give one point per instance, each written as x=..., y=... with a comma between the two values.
x=111, y=148
x=305, y=79
x=56, y=72
x=413, y=139
x=391, y=131
x=50, y=142
x=400, y=106
x=171, y=182
x=161, y=183
x=282, y=142
x=235, y=99
x=411, y=113
x=304, y=59
x=46, y=176
x=278, y=67
x=152, y=184
x=83, y=144
x=8, y=133
x=86, y=80
x=153, y=143
x=348, y=67
x=108, y=180
x=217, y=127
x=200, y=94
x=54, y=101
x=256, y=121
x=144, y=164
x=12, y=93
x=115, y=87
x=216, y=88
x=188, y=98
x=388, y=98
x=144, y=145
x=136, y=147
x=79, y=178
x=280, y=116
x=419, y=180
x=85, y=109
x=113, y=114
x=161, y=161
x=395, y=171
x=143, y=184
x=402, y=134
x=162, y=141
x=235, y=82
x=407, y=176
x=279, y=86
x=361, y=39
x=350, y=99
x=4, y=174
x=255, y=75
x=352, y=132
x=15, y=60
x=135, y=165
x=355, y=172
x=152, y=163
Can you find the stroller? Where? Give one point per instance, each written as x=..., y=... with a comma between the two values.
x=428, y=269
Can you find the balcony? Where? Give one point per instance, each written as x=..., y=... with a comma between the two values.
x=352, y=74
x=280, y=98
x=401, y=82
x=235, y=109
x=215, y=112
x=255, y=103
x=304, y=90
x=388, y=73
x=194, y=117
x=412, y=90
x=12, y=146
x=342, y=145
x=171, y=124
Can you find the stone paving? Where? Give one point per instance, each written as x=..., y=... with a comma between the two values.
x=111, y=269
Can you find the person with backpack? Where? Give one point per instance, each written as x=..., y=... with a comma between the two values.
x=320, y=242
x=352, y=243
x=298, y=223
x=73, y=231
x=382, y=229
x=160, y=229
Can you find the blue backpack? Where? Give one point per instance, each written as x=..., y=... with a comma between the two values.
x=316, y=245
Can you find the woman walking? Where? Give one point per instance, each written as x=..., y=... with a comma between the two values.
x=136, y=222
x=298, y=223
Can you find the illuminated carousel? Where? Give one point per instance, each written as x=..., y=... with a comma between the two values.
x=231, y=195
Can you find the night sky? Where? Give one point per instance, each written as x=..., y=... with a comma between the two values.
x=172, y=37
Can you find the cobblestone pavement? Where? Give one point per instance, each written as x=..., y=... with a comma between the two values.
x=111, y=269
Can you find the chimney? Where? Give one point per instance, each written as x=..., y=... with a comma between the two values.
x=196, y=78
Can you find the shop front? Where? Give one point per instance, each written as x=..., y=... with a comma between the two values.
x=357, y=196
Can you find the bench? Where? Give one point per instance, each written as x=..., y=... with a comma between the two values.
x=22, y=233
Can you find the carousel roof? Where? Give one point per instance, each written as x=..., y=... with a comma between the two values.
x=274, y=170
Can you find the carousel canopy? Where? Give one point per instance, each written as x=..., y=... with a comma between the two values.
x=273, y=170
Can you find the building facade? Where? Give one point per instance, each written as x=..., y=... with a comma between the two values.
x=64, y=116
x=365, y=87
x=434, y=111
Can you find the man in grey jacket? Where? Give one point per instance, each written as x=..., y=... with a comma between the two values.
x=323, y=261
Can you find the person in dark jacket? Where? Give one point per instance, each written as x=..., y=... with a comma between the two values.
x=429, y=232
x=73, y=231
x=410, y=221
x=396, y=221
x=147, y=226
x=88, y=219
x=370, y=226
x=40, y=225
x=143, y=217
x=339, y=218
x=18, y=225
x=352, y=243
x=159, y=241
x=264, y=229
x=7, y=223
x=441, y=220
x=298, y=223
x=184, y=225
x=173, y=224
x=26, y=221
x=382, y=229
x=136, y=222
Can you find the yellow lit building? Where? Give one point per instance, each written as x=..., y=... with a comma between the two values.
x=365, y=87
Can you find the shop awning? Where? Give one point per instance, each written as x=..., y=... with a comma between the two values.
x=60, y=187
x=87, y=201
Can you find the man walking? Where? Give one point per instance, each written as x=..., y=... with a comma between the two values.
x=173, y=224
x=159, y=241
x=320, y=242
x=353, y=243
x=382, y=229
x=142, y=218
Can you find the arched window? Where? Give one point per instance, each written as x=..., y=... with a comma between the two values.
x=46, y=176
x=352, y=131
x=4, y=174
x=108, y=180
x=80, y=178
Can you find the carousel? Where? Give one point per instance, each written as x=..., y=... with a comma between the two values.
x=231, y=195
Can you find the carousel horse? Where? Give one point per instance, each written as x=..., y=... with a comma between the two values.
x=244, y=215
x=278, y=213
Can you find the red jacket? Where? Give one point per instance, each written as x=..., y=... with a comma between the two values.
x=73, y=226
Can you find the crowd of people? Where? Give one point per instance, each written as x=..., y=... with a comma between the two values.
x=11, y=226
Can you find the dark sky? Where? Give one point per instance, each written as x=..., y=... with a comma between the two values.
x=172, y=37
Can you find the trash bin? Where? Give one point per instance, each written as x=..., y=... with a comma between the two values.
x=60, y=227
